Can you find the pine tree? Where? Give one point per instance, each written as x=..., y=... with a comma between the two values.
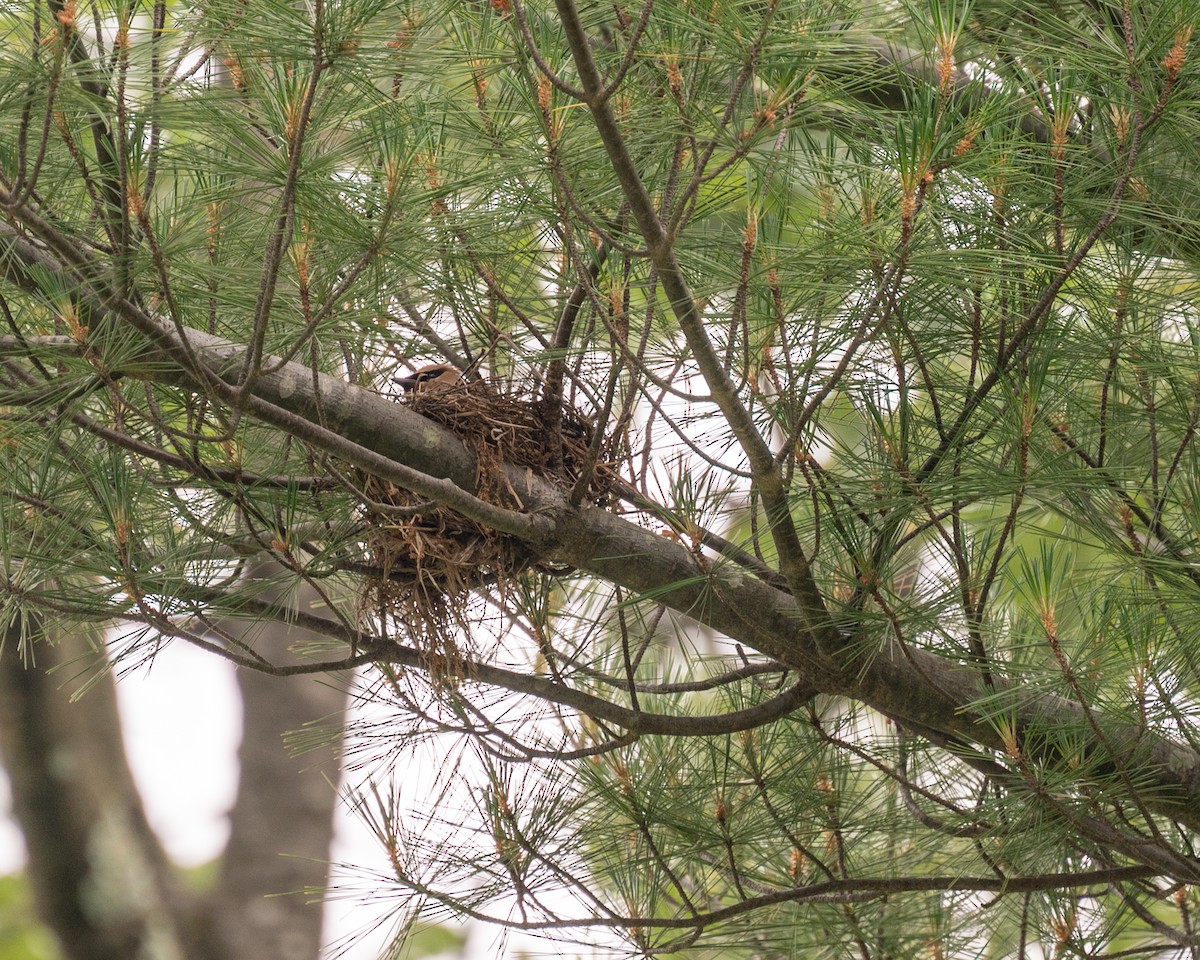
x=801, y=557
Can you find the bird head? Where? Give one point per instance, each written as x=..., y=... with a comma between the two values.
x=434, y=378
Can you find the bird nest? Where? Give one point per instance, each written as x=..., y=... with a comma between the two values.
x=428, y=562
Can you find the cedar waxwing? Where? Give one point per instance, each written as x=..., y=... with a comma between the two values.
x=434, y=378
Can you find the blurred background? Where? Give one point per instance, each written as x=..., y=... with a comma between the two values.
x=181, y=727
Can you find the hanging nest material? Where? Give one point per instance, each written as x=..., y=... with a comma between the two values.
x=431, y=561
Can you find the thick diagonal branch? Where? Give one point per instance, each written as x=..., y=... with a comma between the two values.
x=921, y=688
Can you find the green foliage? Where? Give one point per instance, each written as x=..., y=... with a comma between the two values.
x=429, y=940
x=883, y=314
x=21, y=936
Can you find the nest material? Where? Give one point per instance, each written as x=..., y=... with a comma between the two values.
x=431, y=560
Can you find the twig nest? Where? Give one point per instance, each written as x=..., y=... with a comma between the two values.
x=427, y=561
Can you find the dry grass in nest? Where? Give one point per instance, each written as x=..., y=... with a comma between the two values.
x=431, y=560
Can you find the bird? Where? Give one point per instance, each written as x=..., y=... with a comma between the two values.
x=433, y=378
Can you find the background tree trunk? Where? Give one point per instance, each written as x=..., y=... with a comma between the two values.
x=101, y=880
x=282, y=821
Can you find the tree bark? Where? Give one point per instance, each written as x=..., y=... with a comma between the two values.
x=282, y=821
x=100, y=878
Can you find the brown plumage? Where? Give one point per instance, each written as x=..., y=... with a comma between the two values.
x=434, y=378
